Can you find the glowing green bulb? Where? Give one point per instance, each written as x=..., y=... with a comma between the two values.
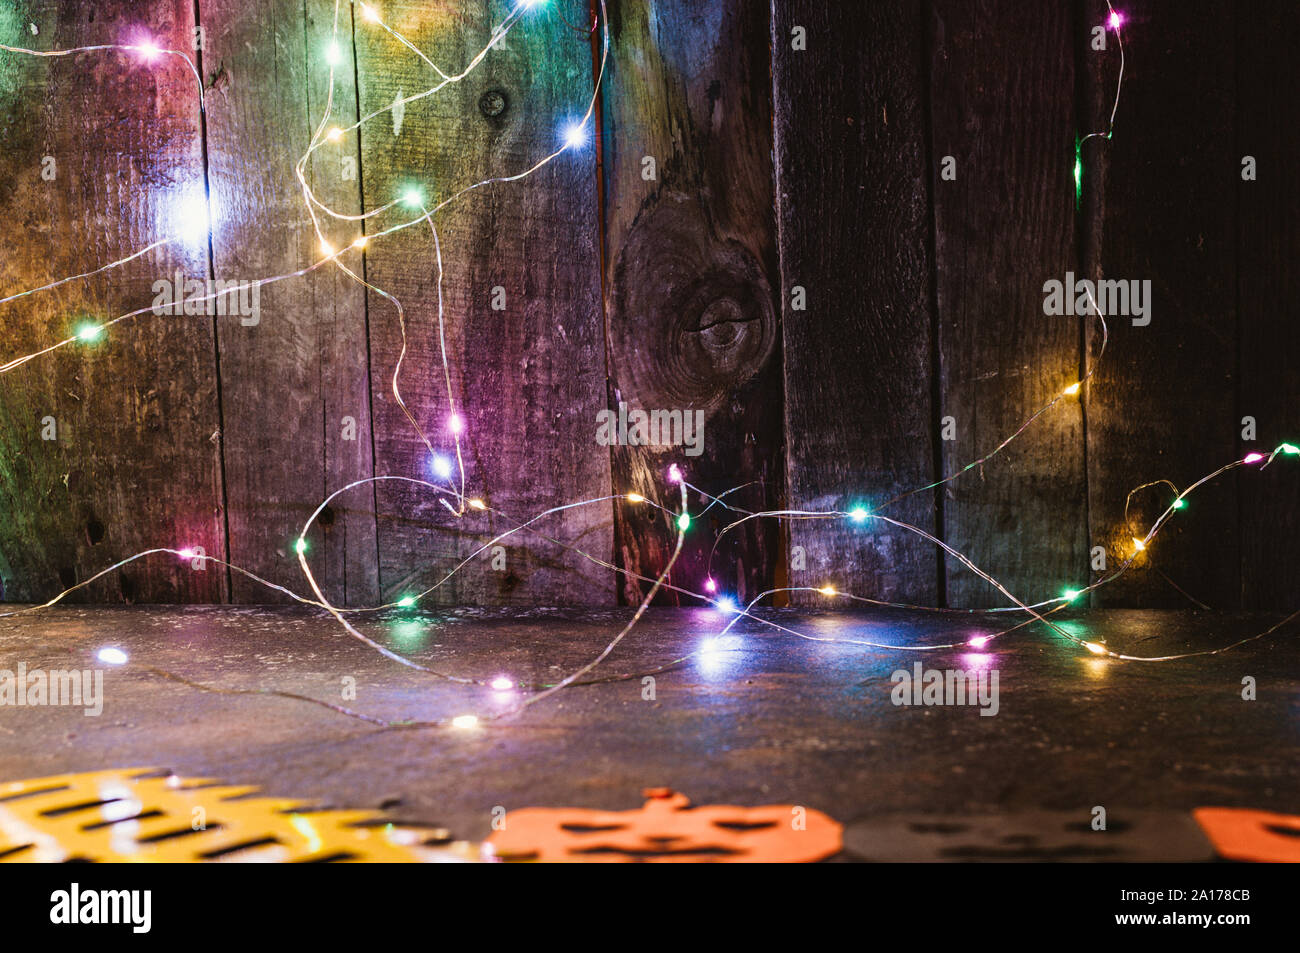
x=1072, y=594
x=406, y=601
x=1078, y=172
x=1179, y=504
x=1290, y=448
x=684, y=522
x=90, y=332
x=300, y=546
x=333, y=55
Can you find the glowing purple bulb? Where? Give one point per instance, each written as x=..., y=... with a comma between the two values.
x=456, y=424
x=675, y=474
x=979, y=641
x=710, y=585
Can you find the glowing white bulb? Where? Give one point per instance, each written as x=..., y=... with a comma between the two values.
x=192, y=218
x=333, y=55
x=456, y=424
x=502, y=684
x=335, y=134
x=725, y=604
x=464, y=722
x=575, y=136
x=112, y=656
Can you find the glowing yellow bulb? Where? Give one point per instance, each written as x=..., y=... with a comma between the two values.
x=635, y=498
x=326, y=248
x=334, y=135
x=477, y=505
x=827, y=591
x=370, y=13
x=360, y=242
x=464, y=721
x=1094, y=648
x=1072, y=389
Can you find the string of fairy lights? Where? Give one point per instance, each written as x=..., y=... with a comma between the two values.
x=450, y=485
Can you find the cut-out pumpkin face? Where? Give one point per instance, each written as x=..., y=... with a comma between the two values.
x=668, y=830
x=1258, y=836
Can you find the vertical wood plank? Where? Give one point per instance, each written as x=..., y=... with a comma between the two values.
x=1002, y=92
x=854, y=234
x=1268, y=128
x=136, y=463
x=295, y=387
x=690, y=277
x=528, y=379
x=1162, y=403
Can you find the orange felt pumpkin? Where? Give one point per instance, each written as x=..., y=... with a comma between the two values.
x=1259, y=836
x=668, y=830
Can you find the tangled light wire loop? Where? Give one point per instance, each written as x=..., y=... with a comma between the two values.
x=451, y=493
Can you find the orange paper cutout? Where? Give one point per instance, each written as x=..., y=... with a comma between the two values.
x=1256, y=836
x=668, y=830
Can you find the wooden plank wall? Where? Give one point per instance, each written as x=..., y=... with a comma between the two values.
x=764, y=226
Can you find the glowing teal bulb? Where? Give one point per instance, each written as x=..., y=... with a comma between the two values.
x=406, y=601
x=859, y=514
x=90, y=332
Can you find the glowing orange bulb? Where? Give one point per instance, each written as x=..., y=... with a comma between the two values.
x=635, y=498
x=1139, y=544
x=334, y=135
x=326, y=248
x=360, y=242
x=827, y=591
x=1072, y=389
x=1094, y=648
x=477, y=505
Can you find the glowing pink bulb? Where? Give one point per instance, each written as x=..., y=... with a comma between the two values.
x=710, y=585
x=1252, y=458
x=675, y=474
x=150, y=50
x=186, y=554
x=456, y=424
x=979, y=641
x=1115, y=20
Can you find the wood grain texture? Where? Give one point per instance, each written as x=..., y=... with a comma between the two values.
x=529, y=379
x=136, y=463
x=691, y=282
x=295, y=380
x=854, y=227
x=1162, y=405
x=1268, y=128
x=1002, y=94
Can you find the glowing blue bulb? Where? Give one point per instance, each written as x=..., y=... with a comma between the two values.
x=441, y=466
x=725, y=604
x=112, y=656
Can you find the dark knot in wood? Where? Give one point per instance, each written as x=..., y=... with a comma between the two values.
x=694, y=316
